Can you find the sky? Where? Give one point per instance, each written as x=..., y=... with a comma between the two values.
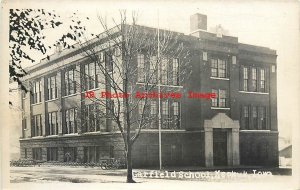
x=263, y=23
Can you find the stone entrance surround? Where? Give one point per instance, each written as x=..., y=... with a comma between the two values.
x=221, y=120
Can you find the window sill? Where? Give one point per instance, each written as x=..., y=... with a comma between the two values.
x=70, y=95
x=52, y=136
x=51, y=100
x=248, y=92
x=94, y=132
x=219, y=78
x=219, y=108
x=36, y=104
x=255, y=130
x=70, y=134
x=37, y=137
x=163, y=130
x=93, y=89
x=166, y=85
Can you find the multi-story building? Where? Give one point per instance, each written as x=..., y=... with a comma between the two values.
x=238, y=127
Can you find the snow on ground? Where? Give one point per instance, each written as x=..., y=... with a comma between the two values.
x=90, y=176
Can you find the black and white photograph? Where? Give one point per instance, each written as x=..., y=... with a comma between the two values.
x=150, y=95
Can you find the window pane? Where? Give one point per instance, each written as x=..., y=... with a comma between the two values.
x=141, y=106
x=164, y=71
x=153, y=108
x=141, y=61
x=246, y=111
x=222, y=93
x=245, y=73
x=222, y=68
x=246, y=85
x=176, y=108
x=92, y=75
x=175, y=71
x=254, y=111
x=214, y=68
x=214, y=101
x=141, y=68
x=254, y=73
x=262, y=74
x=70, y=81
x=165, y=110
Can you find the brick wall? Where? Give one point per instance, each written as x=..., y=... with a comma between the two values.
x=259, y=148
x=178, y=149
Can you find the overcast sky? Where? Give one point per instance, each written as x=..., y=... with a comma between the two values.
x=264, y=23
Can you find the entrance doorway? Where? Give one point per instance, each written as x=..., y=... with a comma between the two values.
x=220, y=147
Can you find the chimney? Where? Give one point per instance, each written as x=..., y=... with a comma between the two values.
x=198, y=22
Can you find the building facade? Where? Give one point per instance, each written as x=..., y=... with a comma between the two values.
x=238, y=127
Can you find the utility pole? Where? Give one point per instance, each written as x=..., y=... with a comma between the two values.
x=158, y=84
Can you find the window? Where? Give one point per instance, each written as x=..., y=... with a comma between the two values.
x=37, y=92
x=218, y=68
x=176, y=115
x=165, y=108
x=176, y=108
x=175, y=73
x=245, y=74
x=52, y=154
x=273, y=68
x=52, y=87
x=263, y=117
x=23, y=100
x=141, y=106
x=70, y=154
x=52, y=123
x=36, y=128
x=100, y=79
x=164, y=71
x=95, y=118
x=101, y=57
x=258, y=117
x=153, y=69
x=234, y=60
x=254, y=79
x=91, y=122
x=90, y=76
x=94, y=154
x=37, y=153
x=214, y=68
x=117, y=51
x=246, y=116
x=214, y=101
x=222, y=68
x=220, y=100
x=254, y=117
x=141, y=68
x=257, y=79
x=70, y=83
x=70, y=121
x=262, y=80
x=153, y=107
x=109, y=61
x=204, y=56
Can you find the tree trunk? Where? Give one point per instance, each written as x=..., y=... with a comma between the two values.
x=129, y=164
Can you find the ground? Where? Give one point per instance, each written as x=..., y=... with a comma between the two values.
x=279, y=178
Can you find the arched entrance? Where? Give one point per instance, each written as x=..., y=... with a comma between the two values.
x=221, y=141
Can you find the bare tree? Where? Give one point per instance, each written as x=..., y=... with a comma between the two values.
x=131, y=59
